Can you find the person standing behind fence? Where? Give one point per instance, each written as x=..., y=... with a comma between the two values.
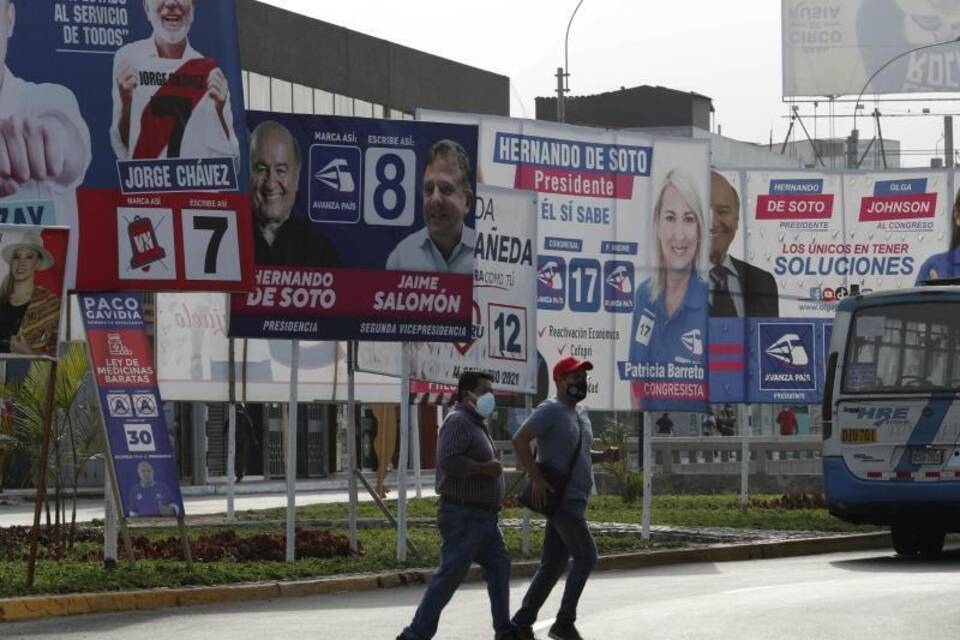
x=727, y=421
x=558, y=424
x=787, y=420
x=709, y=424
x=471, y=488
x=665, y=425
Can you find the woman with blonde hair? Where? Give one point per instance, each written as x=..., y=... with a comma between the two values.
x=672, y=305
x=29, y=314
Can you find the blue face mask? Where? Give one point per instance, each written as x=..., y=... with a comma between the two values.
x=486, y=404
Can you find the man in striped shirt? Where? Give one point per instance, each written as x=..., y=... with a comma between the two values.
x=470, y=484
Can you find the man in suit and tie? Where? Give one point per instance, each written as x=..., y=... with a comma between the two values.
x=736, y=288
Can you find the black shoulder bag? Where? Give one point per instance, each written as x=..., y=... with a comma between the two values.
x=556, y=478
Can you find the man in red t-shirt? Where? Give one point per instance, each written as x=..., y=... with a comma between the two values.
x=787, y=420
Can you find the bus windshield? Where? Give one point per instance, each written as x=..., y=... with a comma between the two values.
x=907, y=348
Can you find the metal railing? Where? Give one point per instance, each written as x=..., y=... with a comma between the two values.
x=774, y=455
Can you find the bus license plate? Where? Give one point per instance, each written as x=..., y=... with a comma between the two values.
x=926, y=456
x=858, y=436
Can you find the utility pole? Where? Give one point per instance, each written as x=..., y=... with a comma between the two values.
x=948, y=141
x=561, y=95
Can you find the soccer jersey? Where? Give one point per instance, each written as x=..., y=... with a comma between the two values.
x=673, y=347
x=171, y=112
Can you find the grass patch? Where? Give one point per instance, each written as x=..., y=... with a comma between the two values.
x=72, y=576
x=78, y=571
x=721, y=510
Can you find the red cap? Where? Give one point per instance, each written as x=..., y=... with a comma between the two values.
x=570, y=364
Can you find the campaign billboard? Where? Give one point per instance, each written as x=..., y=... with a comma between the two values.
x=503, y=339
x=125, y=121
x=835, y=47
x=364, y=229
x=794, y=234
x=32, y=292
x=140, y=448
x=804, y=240
x=622, y=237
x=896, y=220
x=193, y=360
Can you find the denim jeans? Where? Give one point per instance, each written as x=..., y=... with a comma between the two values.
x=469, y=535
x=566, y=535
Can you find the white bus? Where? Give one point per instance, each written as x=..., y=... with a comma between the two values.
x=891, y=411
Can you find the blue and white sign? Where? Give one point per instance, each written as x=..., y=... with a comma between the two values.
x=335, y=188
x=618, y=285
x=551, y=282
x=139, y=445
x=785, y=360
x=787, y=356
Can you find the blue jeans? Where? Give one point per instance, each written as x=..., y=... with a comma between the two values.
x=566, y=535
x=469, y=535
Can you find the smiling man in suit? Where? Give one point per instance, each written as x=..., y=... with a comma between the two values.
x=736, y=288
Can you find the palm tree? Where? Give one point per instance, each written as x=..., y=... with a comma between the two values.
x=76, y=436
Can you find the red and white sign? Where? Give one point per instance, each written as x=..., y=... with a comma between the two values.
x=164, y=242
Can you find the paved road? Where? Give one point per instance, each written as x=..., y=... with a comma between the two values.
x=848, y=596
x=22, y=513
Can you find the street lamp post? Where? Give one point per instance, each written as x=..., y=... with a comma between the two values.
x=853, y=140
x=563, y=74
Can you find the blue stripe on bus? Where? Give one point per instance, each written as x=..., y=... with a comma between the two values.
x=931, y=418
x=844, y=488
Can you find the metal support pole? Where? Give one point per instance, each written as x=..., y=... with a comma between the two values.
x=813, y=144
x=561, y=98
x=647, y=475
x=404, y=456
x=786, y=138
x=386, y=513
x=415, y=449
x=745, y=457
x=853, y=142
x=883, y=151
x=292, y=452
x=352, y=442
x=231, y=458
x=525, y=532
x=110, y=552
x=948, y=141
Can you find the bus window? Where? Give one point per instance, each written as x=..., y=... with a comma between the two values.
x=903, y=348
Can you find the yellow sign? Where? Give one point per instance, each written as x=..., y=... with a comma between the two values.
x=858, y=436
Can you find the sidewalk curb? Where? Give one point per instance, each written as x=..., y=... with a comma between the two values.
x=37, y=607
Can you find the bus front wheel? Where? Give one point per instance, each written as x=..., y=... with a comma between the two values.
x=912, y=540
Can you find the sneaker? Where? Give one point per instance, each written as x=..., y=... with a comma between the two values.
x=508, y=635
x=564, y=632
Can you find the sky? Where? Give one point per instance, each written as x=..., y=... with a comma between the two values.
x=729, y=51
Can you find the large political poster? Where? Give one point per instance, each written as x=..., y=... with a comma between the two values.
x=193, y=360
x=364, y=229
x=503, y=340
x=835, y=47
x=802, y=241
x=33, y=262
x=129, y=114
x=622, y=243
x=139, y=445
